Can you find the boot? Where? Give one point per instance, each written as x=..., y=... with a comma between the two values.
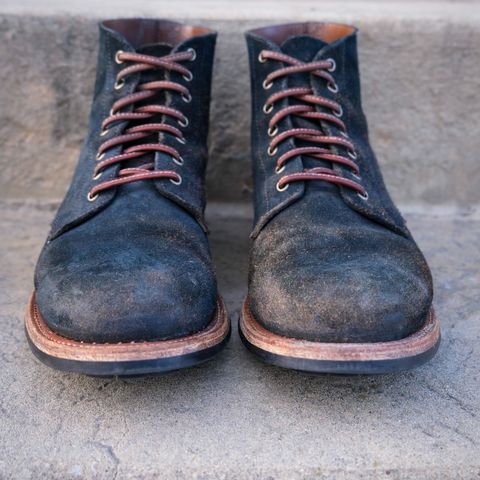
x=336, y=281
x=124, y=284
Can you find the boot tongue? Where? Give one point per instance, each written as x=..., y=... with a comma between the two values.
x=305, y=49
x=154, y=50
x=302, y=47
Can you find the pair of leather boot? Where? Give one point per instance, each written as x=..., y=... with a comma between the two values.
x=125, y=284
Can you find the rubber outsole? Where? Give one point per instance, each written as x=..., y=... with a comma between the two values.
x=130, y=368
x=342, y=358
x=125, y=359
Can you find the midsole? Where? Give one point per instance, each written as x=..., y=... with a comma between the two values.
x=55, y=345
x=415, y=344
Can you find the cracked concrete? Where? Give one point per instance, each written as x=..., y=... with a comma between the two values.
x=235, y=417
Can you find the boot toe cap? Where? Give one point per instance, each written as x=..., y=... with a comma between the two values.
x=367, y=299
x=121, y=296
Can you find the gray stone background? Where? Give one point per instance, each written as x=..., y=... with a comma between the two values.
x=420, y=79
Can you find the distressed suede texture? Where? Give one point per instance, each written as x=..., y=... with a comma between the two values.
x=327, y=265
x=135, y=263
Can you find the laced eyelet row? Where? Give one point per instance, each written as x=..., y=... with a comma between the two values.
x=337, y=111
x=187, y=75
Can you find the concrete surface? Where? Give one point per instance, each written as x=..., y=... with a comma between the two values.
x=235, y=417
x=420, y=71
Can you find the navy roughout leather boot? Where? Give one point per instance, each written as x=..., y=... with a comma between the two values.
x=336, y=281
x=125, y=284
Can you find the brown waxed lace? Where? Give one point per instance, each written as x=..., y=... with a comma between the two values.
x=145, y=91
x=307, y=109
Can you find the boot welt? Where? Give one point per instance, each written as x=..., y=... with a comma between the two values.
x=130, y=359
x=341, y=358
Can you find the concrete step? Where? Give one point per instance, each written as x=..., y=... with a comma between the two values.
x=236, y=418
x=420, y=71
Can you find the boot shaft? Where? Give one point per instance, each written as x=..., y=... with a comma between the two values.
x=336, y=83
x=121, y=74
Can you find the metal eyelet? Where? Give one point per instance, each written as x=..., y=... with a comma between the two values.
x=261, y=58
x=184, y=122
x=334, y=65
x=100, y=156
x=267, y=86
x=119, y=84
x=333, y=87
x=178, y=161
x=363, y=196
x=279, y=170
x=97, y=176
x=117, y=57
x=338, y=113
x=188, y=77
x=356, y=177
x=187, y=98
x=271, y=152
x=91, y=198
x=282, y=189
x=104, y=132
x=181, y=140
x=177, y=182
x=194, y=57
x=352, y=154
x=111, y=112
x=272, y=131
x=267, y=108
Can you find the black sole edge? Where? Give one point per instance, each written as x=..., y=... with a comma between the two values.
x=373, y=367
x=129, y=368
